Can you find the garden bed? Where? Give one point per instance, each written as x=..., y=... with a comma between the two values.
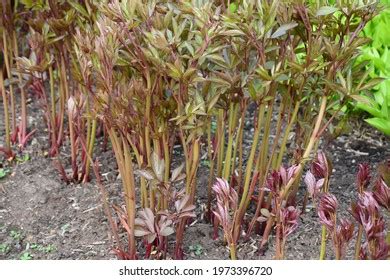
x=217, y=113
x=41, y=217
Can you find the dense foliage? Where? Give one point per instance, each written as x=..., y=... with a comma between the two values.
x=377, y=101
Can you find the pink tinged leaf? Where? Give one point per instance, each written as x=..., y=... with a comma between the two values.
x=182, y=203
x=291, y=172
x=320, y=184
x=188, y=215
x=139, y=232
x=139, y=222
x=367, y=200
x=283, y=175
x=164, y=225
x=151, y=237
x=167, y=231
x=148, y=216
x=189, y=208
x=223, y=214
x=234, y=193
x=310, y=182
x=327, y=210
x=382, y=250
x=164, y=222
x=158, y=166
x=289, y=219
x=72, y=106
x=177, y=172
x=320, y=166
x=147, y=174
x=355, y=211
x=262, y=219
x=217, y=216
x=217, y=187
x=125, y=225
x=346, y=230
x=363, y=175
x=223, y=186
x=180, y=177
x=382, y=194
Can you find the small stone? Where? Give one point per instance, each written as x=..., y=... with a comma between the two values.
x=34, y=142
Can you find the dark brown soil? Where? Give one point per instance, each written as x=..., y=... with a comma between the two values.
x=43, y=218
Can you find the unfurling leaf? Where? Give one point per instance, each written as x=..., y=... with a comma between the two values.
x=158, y=166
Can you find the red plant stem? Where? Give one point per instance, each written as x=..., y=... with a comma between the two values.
x=123, y=157
x=285, y=191
x=7, y=61
x=52, y=118
x=192, y=162
x=279, y=254
x=179, y=239
x=72, y=138
x=6, y=114
x=211, y=171
x=358, y=244
x=23, y=123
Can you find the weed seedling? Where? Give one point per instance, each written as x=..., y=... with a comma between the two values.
x=197, y=249
x=15, y=235
x=26, y=256
x=4, y=248
x=3, y=172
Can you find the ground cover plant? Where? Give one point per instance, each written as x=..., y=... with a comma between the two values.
x=161, y=82
x=376, y=101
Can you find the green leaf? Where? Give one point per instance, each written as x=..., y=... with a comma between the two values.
x=213, y=101
x=3, y=172
x=36, y=4
x=283, y=29
x=370, y=109
x=372, y=83
x=362, y=99
x=381, y=124
x=233, y=8
x=385, y=109
x=79, y=8
x=326, y=10
x=232, y=33
x=26, y=256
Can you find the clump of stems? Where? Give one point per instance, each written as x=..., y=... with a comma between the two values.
x=161, y=77
x=226, y=206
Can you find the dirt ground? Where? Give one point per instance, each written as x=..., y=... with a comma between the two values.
x=43, y=218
